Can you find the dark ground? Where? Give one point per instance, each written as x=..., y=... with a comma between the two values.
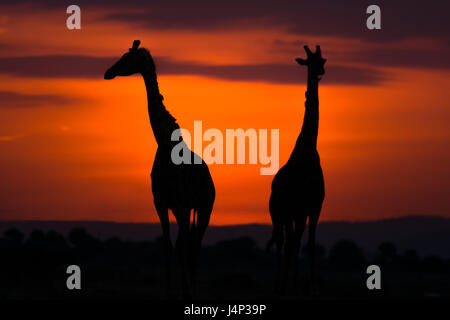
x=34, y=267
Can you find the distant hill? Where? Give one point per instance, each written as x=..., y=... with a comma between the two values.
x=427, y=235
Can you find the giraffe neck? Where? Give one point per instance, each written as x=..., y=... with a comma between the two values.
x=161, y=121
x=307, y=140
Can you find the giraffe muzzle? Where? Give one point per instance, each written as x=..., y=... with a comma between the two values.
x=109, y=74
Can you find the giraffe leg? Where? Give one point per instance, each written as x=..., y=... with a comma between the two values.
x=298, y=233
x=313, y=219
x=163, y=214
x=197, y=234
x=287, y=255
x=182, y=247
x=193, y=235
x=278, y=238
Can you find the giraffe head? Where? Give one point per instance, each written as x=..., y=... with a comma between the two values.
x=314, y=61
x=136, y=60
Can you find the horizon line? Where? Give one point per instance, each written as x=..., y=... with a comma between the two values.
x=228, y=225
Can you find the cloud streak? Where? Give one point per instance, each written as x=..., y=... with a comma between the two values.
x=55, y=66
x=10, y=99
x=273, y=73
x=8, y=138
x=419, y=55
x=61, y=66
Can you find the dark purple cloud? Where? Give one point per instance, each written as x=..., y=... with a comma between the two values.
x=272, y=73
x=436, y=57
x=94, y=67
x=55, y=66
x=433, y=55
x=400, y=19
x=10, y=99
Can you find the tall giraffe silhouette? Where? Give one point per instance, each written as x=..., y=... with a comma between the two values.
x=298, y=189
x=182, y=188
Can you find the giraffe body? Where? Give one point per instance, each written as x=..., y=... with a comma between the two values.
x=297, y=189
x=181, y=187
x=178, y=187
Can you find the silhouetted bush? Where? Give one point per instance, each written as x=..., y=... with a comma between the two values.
x=14, y=237
x=388, y=250
x=320, y=252
x=345, y=255
x=434, y=264
x=36, y=240
x=237, y=245
x=79, y=238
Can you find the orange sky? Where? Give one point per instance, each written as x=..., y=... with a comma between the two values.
x=81, y=148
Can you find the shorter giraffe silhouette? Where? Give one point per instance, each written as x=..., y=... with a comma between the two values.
x=298, y=188
x=182, y=188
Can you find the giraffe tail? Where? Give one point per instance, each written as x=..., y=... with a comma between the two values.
x=277, y=237
x=194, y=220
x=194, y=226
x=271, y=241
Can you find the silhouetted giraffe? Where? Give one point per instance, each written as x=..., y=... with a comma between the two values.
x=180, y=188
x=298, y=187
